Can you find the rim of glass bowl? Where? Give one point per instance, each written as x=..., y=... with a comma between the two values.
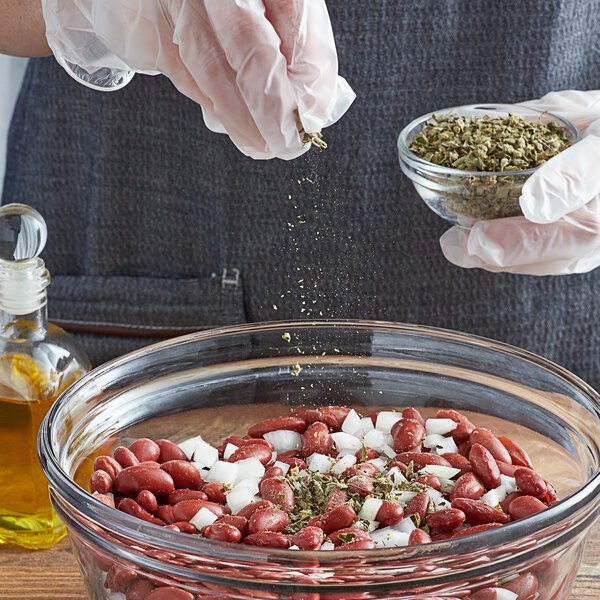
x=407, y=156
x=153, y=535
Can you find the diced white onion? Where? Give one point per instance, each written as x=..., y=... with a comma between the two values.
x=202, y=470
x=433, y=440
x=386, y=419
x=374, y=439
x=250, y=468
x=388, y=537
x=370, y=508
x=403, y=498
x=439, y=471
x=229, y=451
x=205, y=454
x=440, y=426
x=327, y=546
x=238, y=498
x=366, y=425
x=345, y=441
x=434, y=495
x=406, y=525
x=509, y=483
x=283, y=466
x=319, y=463
x=389, y=451
x=447, y=485
x=249, y=484
x=223, y=472
x=189, y=445
x=351, y=423
x=447, y=445
x=396, y=474
x=343, y=463
x=294, y=547
x=380, y=463
x=494, y=496
x=503, y=594
x=203, y=518
x=442, y=503
x=372, y=526
x=284, y=440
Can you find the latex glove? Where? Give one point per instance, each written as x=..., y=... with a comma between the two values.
x=257, y=67
x=560, y=231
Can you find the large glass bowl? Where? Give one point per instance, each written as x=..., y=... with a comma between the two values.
x=219, y=382
x=465, y=197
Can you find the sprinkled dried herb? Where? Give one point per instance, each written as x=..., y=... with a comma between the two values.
x=316, y=138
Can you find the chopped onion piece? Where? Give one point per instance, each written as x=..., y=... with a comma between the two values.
x=229, y=450
x=372, y=526
x=386, y=420
x=380, y=463
x=388, y=537
x=389, y=451
x=440, y=426
x=250, y=468
x=283, y=466
x=223, y=472
x=509, y=483
x=202, y=470
x=443, y=503
x=440, y=471
x=403, y=498
x=249, y=484
x=343, y=463
x=366, y=425
x=396, y=473
x=495, y=496
x=370, y=508
x=327, y=546
x=447, y=485
x=447, y=445
x=205, y=454
x=188, y=446
x=374, y=439
x=294, y=547
x=433, y=440
x=406, y=525
x=502, y=594
x=351, y=423
x=434, y=495
x=203, y=518
x=320, y=463
x=284, y=440
x=345, y=441
x=238, y=498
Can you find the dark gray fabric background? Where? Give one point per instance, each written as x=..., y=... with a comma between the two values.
x=146, y=208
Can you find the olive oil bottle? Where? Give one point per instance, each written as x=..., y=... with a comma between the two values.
x=38, y=361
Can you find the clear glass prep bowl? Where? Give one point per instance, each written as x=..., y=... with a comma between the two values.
x=219, y=382
x=465, y=197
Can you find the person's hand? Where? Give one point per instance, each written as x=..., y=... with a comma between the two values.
x=559, y=233
x=260, y=69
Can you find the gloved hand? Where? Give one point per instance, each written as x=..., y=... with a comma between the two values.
x=559, y=233
x=258, y=68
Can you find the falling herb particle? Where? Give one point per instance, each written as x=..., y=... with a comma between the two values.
x=286, y=337
x=296, y=369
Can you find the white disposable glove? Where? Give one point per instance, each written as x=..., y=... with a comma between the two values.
x=258, y=68
x=560, y=231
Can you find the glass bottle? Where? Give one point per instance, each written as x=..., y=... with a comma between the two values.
x=38, y=361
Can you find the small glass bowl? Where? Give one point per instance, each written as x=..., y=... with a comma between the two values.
x=217, y=383
x=465, y=197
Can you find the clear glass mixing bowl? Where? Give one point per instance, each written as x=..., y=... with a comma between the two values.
x=219, y=382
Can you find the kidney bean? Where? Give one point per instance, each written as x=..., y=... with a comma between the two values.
x=145, y=449
x=467, y=531
x=147, y=500
x=185, y=527
x=458, y=461
x=368, y=469
x=389, y=514
x=268, y=519
x=131, y=507
x=525, y=586
x=186, y=509
x=333, y=416
x=105, y=499
x=309, y=538
x=108, y=464
x=139, y=590
x=366, y=454
x=479, y=512
x=518, y=455
x=165, y=513
x=484, y=465
x=278, y=492
x=253, y=450
x=336, y=498
x=125, y=457
x=407, y=435
x=215, y=491
x=418, y=536
x=357, y=545
x=101, y=482
x=317, y=439
x=118, y=579
x=293, y=462
x=338, y=518
x=463, y=449
x=446, y=519
x=506, y=469
x=464, y=427
x=531, y=483
x=430, y=480
x=551, y=496
x=132, y=480
x=178, y=495
x=373, y=417
x=485, y=594
x=400, y=465
x=169, y=451
x=418, y=506
x=361, y=485
x=273, y=472
x=236, y=521
x=414, y=414
x=222, y=532
x=250, y=440
x=491, y=443
x=310, y=415
x=506, y=502
x=269, y=539
x=251, y=508
x=169, y=593
x=184, y=474
x=289, y=454
x=287, y=423
x=524, y=506
x=421, y=459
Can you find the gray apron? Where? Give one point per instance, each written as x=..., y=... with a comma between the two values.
x=158, y=226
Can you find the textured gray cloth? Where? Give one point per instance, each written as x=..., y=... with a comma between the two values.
x=150, y=214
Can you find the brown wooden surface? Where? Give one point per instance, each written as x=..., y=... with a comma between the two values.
x=54, y=575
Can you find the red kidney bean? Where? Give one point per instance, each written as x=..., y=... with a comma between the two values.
x=310, y=415
x=333, y=416
x=338, y=518
x=491, y=443
x=466, y=531
x=169, y=451
x=108, y=464
x=317, y=439
x=524, y=506
x=464, y=448
x=147, y=500
x=101, y=482
x=293, y=462
x=458, y=461
x=250, y=440
x=222, y=532
x=184, y=474
x=485, y=594
x=240, y=523
x=359, y=534
x=506, y=502
x=336, y=498
x=131, y=507
x=215, y=491
x=309, y=538
x=418, y=536
x=506, y=469
x=253, y=450
x=525, y=586
x=389, y=514
x=484, y=465
x=278, y=492
x=125, y=457
x=518, y=456
x=361, y=485
x=287, y=423
x=400, y=465
x=418, y=506
x=268, y=539
x=273, y=472
x=366, y=454
x=357, y=545
x=251, y=508
x=165, y=513
x=414, y=414
x=479, y=512
x=551, y=496
x=185, y=527
x=446, y=519
x=368, y=469
x=268, y=519
x=178, y=495
x=430, y=480
x=139, y=590
x=407, y=435
x=118, y=579
x=132, y=480
x=145, y=449
x=464, y=427
x=289, y=454
x=105, y=499
x=169, y=593
x=422, y=459
x=531, y=483
x=186, y=509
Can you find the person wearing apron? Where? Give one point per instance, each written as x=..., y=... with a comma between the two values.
x=158, y=226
